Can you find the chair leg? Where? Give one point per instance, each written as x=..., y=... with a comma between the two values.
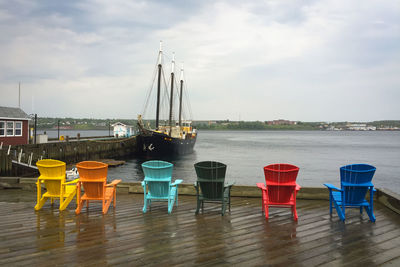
x=340, y=210
x=295, y=217
x=198, y=206
x=223, y=208
x=266, y=212
x=65, y=203
x=115, y=198
x=173, y=194
x=177, y=196
x=330, y=202
x=370, y=208
x=145, y=206
x=40, y=204
x=170, y=205
x=78, y=199
x=79, y=207
x=263, y=201
x=38, y=195
x=106, y=205
x=370, y=213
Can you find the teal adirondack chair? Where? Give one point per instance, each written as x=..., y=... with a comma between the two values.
x=157, y=184
x=355, y=181
x=210, y=185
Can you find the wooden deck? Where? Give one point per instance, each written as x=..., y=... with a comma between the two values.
x=242, y=237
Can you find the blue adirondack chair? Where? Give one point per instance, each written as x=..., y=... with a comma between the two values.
x=355, y=181
x=157, y=184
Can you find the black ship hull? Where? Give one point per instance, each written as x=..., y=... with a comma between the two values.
x=155, y=145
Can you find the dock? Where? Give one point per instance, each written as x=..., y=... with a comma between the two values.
x=126, y=236
x=112, y=162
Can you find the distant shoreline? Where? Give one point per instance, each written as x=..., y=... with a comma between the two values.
x=67, y=124
x=219, y=130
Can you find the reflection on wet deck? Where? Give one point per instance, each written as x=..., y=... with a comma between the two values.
x=243, y=237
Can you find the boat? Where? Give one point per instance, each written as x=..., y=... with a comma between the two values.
x=170, y=137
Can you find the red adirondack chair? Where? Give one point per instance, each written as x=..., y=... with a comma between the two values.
x=281, y=188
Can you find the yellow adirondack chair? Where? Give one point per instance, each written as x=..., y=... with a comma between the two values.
x=52, y=175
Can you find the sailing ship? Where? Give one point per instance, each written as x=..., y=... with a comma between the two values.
x=174, y=137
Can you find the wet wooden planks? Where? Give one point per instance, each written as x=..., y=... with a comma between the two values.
x=125, y=236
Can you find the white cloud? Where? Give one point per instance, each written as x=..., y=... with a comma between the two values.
x=259, y=59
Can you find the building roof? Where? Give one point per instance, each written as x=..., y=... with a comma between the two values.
x=13, y=113
x=121, y=124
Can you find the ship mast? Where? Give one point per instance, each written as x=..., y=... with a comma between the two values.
x=172, y=92
x=159, y=85
x=180, y=98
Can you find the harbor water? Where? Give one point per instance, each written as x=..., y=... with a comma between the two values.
x=319, y=154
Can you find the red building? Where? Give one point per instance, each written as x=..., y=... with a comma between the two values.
x=14, y=126
x=281, y=122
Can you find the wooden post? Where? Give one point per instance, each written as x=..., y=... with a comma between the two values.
x=34, y=137
x=30, y=159
x=19, y=156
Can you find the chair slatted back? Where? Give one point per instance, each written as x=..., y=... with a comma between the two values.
x=53, y=173
x=93, y=176
x=158, y=176
x=356, y=174
x=281, y=181
x=211, y=177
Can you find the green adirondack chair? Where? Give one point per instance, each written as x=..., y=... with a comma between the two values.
x=210, y=185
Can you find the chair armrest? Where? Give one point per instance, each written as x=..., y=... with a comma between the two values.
x=143, y=183
x=229, y=184
x=330, y=187
x=72, y=182
x=298, y=187
x=41, y=180
x=113, y=183
x=261, y=186
x=178, y=181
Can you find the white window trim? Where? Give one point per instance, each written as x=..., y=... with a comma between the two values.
x=8, y=128
x=5, y=126
x=15, y=128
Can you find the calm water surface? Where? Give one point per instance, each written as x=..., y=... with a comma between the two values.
x=319, y=154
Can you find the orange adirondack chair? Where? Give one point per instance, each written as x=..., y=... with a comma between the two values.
x=93, y=179
x=281, y=187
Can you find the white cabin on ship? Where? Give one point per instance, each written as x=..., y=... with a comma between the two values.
x=122, y=130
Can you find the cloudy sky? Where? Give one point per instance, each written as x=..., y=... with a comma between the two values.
x=325, y=60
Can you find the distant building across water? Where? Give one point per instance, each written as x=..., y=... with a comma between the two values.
x=360, y=127
x=281, y=122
